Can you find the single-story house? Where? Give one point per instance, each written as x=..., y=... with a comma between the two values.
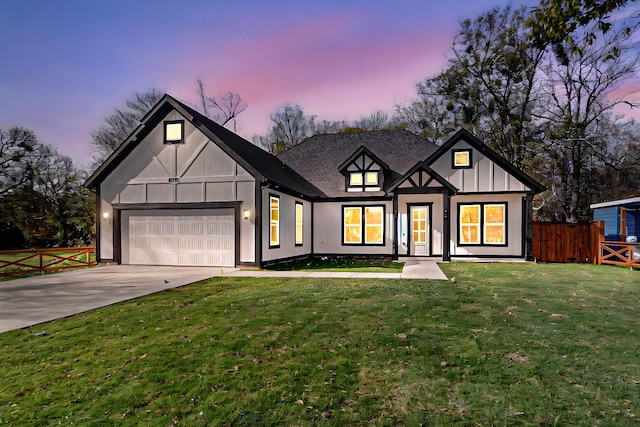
x=621, y=219
x=183, y=190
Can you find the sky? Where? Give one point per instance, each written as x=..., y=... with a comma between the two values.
x=65, y=65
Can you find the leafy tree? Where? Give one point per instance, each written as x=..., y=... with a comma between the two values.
x=16, y=147
x=119, y=125
x=290, y=126
x=553, y=23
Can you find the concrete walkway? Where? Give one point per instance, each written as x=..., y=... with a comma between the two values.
x=32, y=300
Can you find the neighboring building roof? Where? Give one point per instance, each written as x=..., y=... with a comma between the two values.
x=262, y=165
x=319, y=158
x=621, y=202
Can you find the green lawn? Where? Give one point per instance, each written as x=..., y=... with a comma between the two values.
x=360, y=265
x=505, y=344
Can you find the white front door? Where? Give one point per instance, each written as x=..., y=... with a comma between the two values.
x=419, y=230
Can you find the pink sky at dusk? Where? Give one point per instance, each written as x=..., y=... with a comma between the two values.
x=68, y=64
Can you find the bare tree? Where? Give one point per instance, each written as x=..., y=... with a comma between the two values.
x=17, y=146
x=226, y=110
x=290, y=127
x=119, y=125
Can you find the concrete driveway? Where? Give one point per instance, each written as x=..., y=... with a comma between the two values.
x=38, y=299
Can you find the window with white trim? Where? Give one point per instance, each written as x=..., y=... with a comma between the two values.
x=274, y=224
x=299, y=219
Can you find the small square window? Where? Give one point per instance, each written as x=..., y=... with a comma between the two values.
x=355, y=178
x=461, y=159
x=173, y=132
x=371, y=178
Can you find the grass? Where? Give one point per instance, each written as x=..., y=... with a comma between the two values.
x=505, y=344
x=362, y=265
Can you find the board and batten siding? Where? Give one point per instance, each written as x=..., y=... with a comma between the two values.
x=484, y=175
x=287, y=247
x=328, y=225
x=203, y=171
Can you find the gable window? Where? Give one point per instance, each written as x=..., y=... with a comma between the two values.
x=482, y=224
x=274, y=225
x=299, y=230
x=363, y=225
x=461, y=159
x=174, y=132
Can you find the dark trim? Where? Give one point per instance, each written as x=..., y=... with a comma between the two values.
x=117, y=235
x=478, y=193
x=164, y=129
x=363, y=225
x=351, y=255
x=237, y=214
x=268, y=184
x=446, y=224
x=295, y=220
x=421, y=190
x=257, y=238
x=410, y=226
x=362, y=187
x=98, y=224
x=360, y=151
x=395, y=226
x=175, y=206
x=422, y=167
x=363, y=199
x=482, y=224
x=527, y=229
x=474, y=142
x=275, y=196
x=313, y=226
x=461, y=150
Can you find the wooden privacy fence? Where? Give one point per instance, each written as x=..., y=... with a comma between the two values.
x=564, y=242
x=40, y=260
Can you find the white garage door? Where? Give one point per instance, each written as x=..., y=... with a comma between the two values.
x=189, y=237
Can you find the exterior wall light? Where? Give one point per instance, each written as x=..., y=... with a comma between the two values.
x=105, y=216
x=246, y=214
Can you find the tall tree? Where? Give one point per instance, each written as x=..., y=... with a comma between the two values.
x=576, y=119
x=290, y=126
x=17, y=146
x=119, y=125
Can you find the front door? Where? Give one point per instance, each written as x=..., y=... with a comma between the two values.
x=419, y=230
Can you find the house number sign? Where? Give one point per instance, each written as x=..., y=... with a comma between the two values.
x=174, y=180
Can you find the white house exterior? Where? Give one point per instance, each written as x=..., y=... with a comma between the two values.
x=182, y=190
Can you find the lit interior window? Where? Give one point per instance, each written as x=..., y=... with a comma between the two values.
x=371, y=178
x=353, y=225
x=494, y=224
x=173, y=132
x=462, y=159
x=470, y=224
x=355, y=178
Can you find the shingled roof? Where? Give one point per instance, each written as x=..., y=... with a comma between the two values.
x=262, y=165
x=318, y=159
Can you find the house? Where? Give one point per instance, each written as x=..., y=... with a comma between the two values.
x=183, y=190
x=621, y=219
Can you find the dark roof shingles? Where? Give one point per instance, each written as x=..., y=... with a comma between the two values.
x=318, y=159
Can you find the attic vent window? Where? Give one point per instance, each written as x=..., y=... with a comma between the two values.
x=174, y=132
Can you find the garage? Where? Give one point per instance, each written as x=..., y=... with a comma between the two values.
x=189, y=237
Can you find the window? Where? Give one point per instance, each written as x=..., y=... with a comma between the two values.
x=174, y=132
x=483, y=224
x=274, y=216
x=461, y=159
x=363, y=225
x=299, y=212
x=355, y=179
x=364, y=181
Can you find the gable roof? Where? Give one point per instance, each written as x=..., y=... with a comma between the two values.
x=469, y=138
x=319, y=158
x=360, y=151
x=422, y=166
x=261, y=165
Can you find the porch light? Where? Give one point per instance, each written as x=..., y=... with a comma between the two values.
x=246, y=214
x=105, y=216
